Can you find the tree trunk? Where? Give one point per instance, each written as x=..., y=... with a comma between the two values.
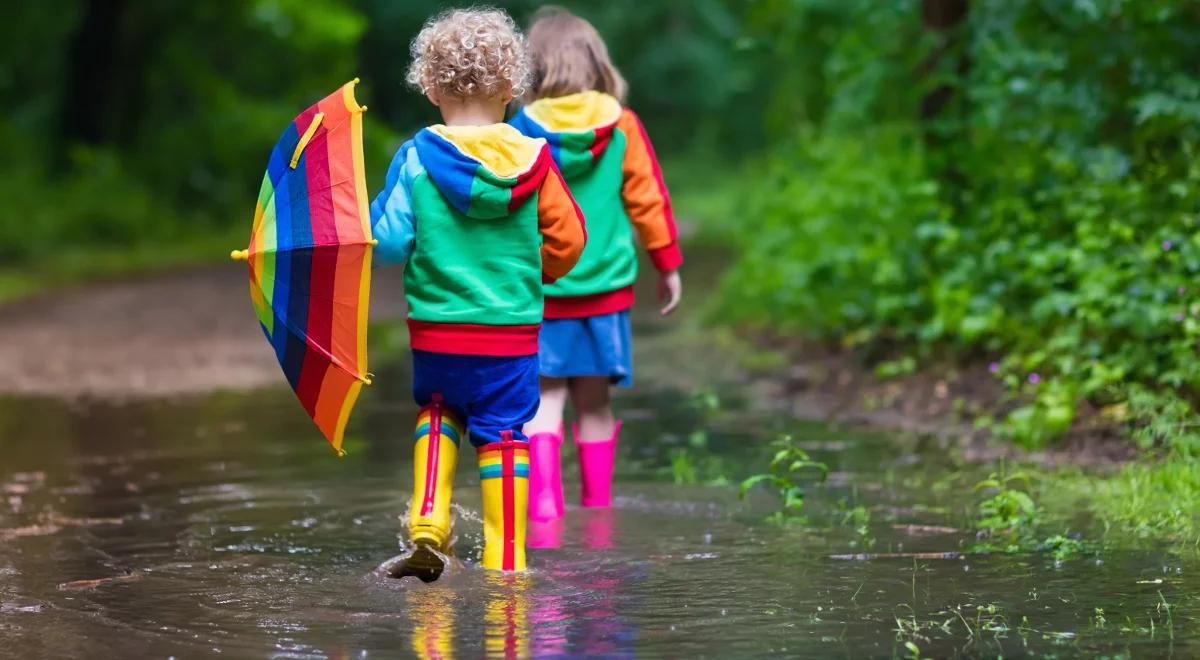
x=941, y=17
x=943, y=108
x=94, y=57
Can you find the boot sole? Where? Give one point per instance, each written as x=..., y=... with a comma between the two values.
x=423, y=564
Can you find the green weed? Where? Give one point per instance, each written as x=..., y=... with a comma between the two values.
x=788, y=466
x=1008, y=512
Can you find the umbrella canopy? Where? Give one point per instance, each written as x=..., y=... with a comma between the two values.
x=310, y=259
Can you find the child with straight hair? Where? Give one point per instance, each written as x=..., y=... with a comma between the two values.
x=481, y=219
x=576, y=104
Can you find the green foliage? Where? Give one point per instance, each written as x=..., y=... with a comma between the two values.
x=1143, y=500
x=1062, y=547
x=1007, y=520
x=149, y=124
x=788, y=467
x=683, y=467
x=1044, y=212
x=1007, y=513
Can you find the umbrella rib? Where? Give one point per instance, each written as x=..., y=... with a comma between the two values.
x=311, y=344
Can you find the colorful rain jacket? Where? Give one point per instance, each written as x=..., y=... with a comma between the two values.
x=604, y=154
x=481, y=218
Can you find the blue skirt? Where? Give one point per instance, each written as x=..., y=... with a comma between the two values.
x=599, y=345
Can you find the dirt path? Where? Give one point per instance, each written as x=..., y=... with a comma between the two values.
x=193, y=332
x=186, y=332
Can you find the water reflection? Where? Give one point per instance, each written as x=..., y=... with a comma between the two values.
x=551, y=618
x=598, y=530
x=213, y=525
x=506, y=616
x=431, y=609
x=544, y=533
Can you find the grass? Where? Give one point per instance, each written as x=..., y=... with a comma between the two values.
x=1149, y=499
x=82, y=264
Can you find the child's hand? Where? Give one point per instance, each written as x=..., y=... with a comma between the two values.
x=670, y=290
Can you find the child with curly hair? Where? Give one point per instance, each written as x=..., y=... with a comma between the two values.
x=481, y=219
x=576, y=105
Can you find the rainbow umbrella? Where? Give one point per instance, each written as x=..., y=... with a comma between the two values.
x=310, y=259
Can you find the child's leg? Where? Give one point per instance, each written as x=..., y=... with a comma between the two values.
x=439, y=430
x=549, y=417
x=595, y=438
x=506, y=398
x=589, y=395
x=435, y=455
x=545, y=439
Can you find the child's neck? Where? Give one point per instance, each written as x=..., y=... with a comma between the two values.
x=472, y=111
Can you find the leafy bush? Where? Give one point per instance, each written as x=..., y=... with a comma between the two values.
x=1045, y=213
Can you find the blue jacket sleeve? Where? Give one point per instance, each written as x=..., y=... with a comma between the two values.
x=392, y=221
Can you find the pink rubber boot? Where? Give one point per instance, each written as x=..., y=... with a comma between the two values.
x=545, y=477
x=596, y=468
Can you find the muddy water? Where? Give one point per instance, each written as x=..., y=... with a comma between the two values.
x=221, y=524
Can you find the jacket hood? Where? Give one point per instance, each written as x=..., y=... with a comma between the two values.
x=578, y=127
x=483, y=171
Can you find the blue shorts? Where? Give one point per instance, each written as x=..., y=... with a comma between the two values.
x=600, y=345
x=489, y=393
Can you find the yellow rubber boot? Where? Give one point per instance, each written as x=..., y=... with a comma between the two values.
x=504, y=478
x=435, y=457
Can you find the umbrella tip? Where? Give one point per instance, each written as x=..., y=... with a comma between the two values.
x=355, y=81
x=239, y=255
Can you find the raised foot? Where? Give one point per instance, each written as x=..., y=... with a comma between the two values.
x=425, y=564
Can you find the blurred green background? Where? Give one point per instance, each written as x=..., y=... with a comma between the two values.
x=1002, y=180
x=144, y=123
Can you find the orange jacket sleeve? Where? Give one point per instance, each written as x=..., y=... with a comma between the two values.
x=561, y=223
x=645, y=195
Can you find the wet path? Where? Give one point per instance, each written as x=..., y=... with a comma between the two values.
x=221, y=523
x=180, y=334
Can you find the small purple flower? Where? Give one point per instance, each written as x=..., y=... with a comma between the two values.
x=993, y=367
x=1034, y=378
x=1180, y=290
x=1179, y=316
x=1166, y=245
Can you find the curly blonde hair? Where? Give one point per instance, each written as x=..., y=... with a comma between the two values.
x=469, y=52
